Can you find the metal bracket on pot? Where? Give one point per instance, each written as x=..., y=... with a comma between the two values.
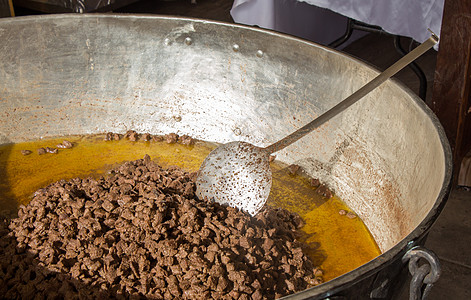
x=423, y=276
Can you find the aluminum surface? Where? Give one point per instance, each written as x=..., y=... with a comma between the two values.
x=387, y=156
x=239, y=174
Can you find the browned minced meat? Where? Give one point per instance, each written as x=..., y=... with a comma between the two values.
x=41, y=151
x=315, y=182
x=186, y=140
x=132, y=135
x=109, y=136
x=26, y=152
x=141, y=232
x=157, y=138
x=52, y=150
x=171, y=138
x=351, y=215
x=65, y=145
x=293, y=169
x=146, y=137
x=324, y=191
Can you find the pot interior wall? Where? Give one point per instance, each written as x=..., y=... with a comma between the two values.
x=219, y=82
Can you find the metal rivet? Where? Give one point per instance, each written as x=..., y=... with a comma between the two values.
x=167, y=41
x=188, y=41
x=235, y=47
x=259, y=53
x=237, y=131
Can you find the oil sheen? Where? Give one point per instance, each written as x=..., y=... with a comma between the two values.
x=337, y=244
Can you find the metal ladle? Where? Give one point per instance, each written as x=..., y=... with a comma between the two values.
x=238, y=173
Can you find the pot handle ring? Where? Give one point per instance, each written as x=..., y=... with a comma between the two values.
x=425, y=274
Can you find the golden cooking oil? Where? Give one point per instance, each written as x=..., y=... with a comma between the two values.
x=337, y=243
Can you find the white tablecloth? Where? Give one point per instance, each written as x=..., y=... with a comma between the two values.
x=401, y=17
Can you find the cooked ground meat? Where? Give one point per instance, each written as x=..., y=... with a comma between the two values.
x=142, y=233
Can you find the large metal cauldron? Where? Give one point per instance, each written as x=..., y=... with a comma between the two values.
x=387, y=156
